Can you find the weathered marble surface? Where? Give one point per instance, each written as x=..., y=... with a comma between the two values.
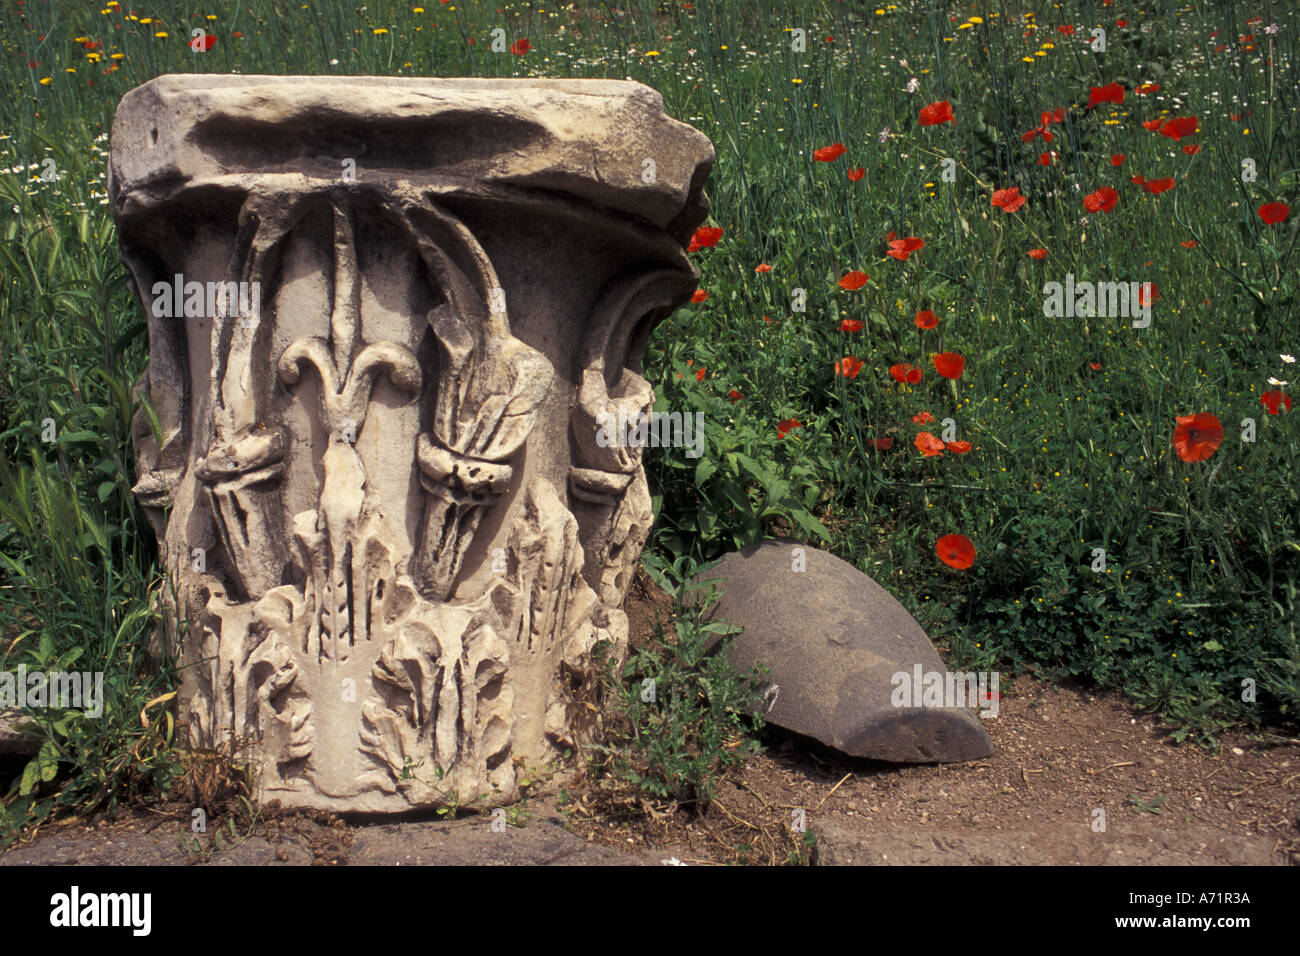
x=393, y=538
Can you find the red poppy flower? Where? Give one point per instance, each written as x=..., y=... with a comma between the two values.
x=1103, y=200
x=1179, y=126
x=1274, y=212
x=1038, y=253
x=1192, y=149
x=882, y=444
x=937, y=113
x=928, y=445
x=762, y=267
x=1045, y=159
x=1158, y=186
x=700, y=295
x=1008, y=200
x=699, y=375
x=1121, y=22
x=1118, y=159
x=900, y=249
x=1146, y=88
x=851, y=325
x=959, y=447
x=956, y=551
x=706, y=237
x=1066, y=28
x=848, y=366
x=1095, y=366
x=852, y=281
x=1273, y=398
x=949, y=364
x=1148, y=292
x=891, y=236
x=1045, y=119
x=520, y=46
x=238, y=34
x=856, y=173
x=1110, y=93
x=784, y=428
x=1152, y=124
x=828, y=154
x=1188, y=243
x=767, y=320
x=1138, y=180
x=905, y=374
x=1197, y=436
x=925, y=319
x=200, y=44
x=734, y=395
x=920, y=418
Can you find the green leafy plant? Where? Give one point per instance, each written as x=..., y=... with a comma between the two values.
x=679, y=717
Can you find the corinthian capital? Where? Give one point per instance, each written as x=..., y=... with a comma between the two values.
x=384, y=315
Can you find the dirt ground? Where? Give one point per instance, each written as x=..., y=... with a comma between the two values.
x=1078, y=778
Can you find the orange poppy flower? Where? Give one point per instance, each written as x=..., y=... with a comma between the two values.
x=956, y=551
x=925, y=319
x=960, y=447
x=905, y=374
x=920, y=418
x=1197, y=436
x=1179, y=126
x=700, y=295
x=762, y=267
x=1110, y=93
x=1273, y=398
x=1038, y=253
x=900, y=249
x=1103, y=200
x=949, y=364
x=928, y=445
x=1008, y=200
x=852, y=281
x=706, y=237
x=850, y=325
x=937, y=113
x=848, y=366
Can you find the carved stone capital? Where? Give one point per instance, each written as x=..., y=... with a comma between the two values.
x=384, y=318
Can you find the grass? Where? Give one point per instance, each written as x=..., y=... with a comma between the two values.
x=1192, y=613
